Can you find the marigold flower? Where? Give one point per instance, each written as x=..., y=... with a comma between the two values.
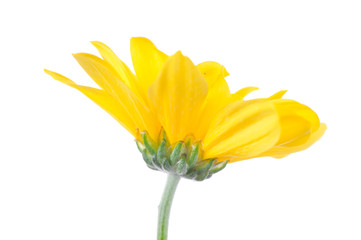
x=183, y=116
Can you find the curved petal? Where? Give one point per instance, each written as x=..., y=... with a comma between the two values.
x=212, y=71
x=119, y=66
x=103, y=74
x=252, y=149
x=104, y=100
x=218, y=94
x=243, y=129
x=283, y=151
x=147, y=62
x=177, y=96
x=298, y=122
x=300, y=128
x=242, y=93
x=277, y=95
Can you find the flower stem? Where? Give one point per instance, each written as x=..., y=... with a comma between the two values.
x=165, y=205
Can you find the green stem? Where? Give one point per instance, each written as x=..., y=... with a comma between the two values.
x=165, y=205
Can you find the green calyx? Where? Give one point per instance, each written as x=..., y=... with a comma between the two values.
x=183, y=159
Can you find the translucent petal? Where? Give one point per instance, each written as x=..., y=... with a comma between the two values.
x=120, y=67
x=218, y=94
x=297, y=122
x=277, y=95
x=212, y=71
x=243, y=129
x=104, y=100
x=283, y=151
x=103, y=74
x=147, y=62
x=177, y=96
x=242, y=93
x=252, y=149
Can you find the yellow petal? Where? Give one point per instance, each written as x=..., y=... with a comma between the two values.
x=218, y=94
x=103, y=99
x=277, y=95
x=252, y=149
x=212, y=71
x=297, y=122
x=242, y=93
x=282, y=151
x=147, y=62
x=177, y=96
x=103, y=74
x=120, y=67
x=243, y=129
x=295, y=130
x=300, y=128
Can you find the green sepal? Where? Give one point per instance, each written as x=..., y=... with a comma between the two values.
x=153, y=168
x=140, y=146
x=184, y=159
x=176, y=154
x=148, y=143
x=203, y=166
x=148, y=158
x=202, y=176
x=162, y=153
x=181, y=167
x=164, y=137
x=193, y=156
x=218, y=167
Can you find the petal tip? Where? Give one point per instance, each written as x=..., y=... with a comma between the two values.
x=137, y=40
x=225, y=72
x=179, y=53
x=59, y=77
x=178, y=56
x=278, y=95
x=82, y=55
x=78, y=56
x=51, y=73
x=96, y=43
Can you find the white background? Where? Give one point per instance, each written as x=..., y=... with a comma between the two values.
x=69, y=171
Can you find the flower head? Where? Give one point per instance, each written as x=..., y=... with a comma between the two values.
x=183, y=116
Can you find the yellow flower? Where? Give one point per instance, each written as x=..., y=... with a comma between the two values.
x=192, y=103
